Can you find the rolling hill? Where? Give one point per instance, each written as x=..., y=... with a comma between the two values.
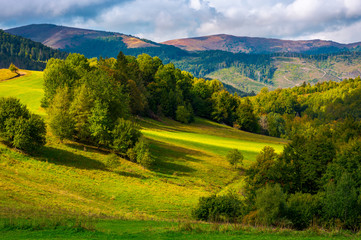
x=93, y=43
x=257, y=45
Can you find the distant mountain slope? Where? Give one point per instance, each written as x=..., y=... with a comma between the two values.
x=25, y=53
x=236, y=44
x=93, y=43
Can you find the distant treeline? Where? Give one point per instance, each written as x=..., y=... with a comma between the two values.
x=25, y=53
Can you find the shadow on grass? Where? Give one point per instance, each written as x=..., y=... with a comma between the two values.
x=129, y=174
x=170, y=159
x=86, y=147
x=62, y=157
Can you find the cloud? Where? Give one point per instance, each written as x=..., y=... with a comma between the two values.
x=161, y=20
x=158, y=20
x=286, y=19
x=24, y=12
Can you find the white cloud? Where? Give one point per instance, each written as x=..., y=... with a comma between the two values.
x=161, y=20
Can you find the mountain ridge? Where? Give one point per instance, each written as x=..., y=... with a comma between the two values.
x=68, y=38
x=245, y=44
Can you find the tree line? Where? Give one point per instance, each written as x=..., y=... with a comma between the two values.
x=25, y=53
x=316, y=180
x=95, y=100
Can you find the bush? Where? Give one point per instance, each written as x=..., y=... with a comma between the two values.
x=235, y=157
x=342, y=203
x=13, y=68
x=184, y=115
x=302, y=208
x=270, y=204
x=142, y=154
x=219, y=208
x=125, y=135
x=20, y=128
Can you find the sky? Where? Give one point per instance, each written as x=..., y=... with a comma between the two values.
x=161, y=20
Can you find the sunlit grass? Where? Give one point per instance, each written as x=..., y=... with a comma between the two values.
x=28, y=88
x=6, y=74
x=70, y=179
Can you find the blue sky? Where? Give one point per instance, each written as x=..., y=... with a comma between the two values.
x=160, y=20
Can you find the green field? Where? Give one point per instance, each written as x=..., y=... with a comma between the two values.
x=119, y=229
x=29, y=89
x=69, y=180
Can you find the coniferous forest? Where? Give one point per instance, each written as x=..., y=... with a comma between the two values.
x=25, y=53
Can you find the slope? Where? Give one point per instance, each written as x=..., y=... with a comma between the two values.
x=93, y=43
x=25, y=53
x=290, y=71
x=70, y=179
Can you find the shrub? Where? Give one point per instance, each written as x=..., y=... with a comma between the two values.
x=270, y=204
x=235, y=157
x=342, y=202
x=125, y=135
x=219, y=208
x=13, y=68
x=302, y=208
x=20, y=128
x=142, y=154
x=184, y=115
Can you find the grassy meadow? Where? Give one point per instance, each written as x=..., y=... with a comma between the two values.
x=69, y=187
x=28, y=88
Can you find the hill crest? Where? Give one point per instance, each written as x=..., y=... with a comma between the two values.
x=61, y=37
x=245, y=44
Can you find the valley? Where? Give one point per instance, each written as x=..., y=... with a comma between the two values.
x=134, y=146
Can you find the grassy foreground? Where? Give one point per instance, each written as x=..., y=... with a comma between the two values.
x=117, y=229
x=72, y=181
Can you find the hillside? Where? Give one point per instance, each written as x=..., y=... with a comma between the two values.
x=257, y=45
x=25, y=53
x=293, y=71
x=69, y=178
x=93, y=43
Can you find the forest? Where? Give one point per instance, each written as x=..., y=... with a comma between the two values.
x=316, y=180
x=25, y=53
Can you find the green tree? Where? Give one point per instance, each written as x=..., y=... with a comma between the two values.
x=262, y=172
x=270, y=204
x=245, y=117
x=235, y=157
x=20, y=128
x=13, y=68
x=80, y=109
x=11, y=108
x=302, y=208
x=100, y=124
x=342, y=201
x=143, y=155
x=29, y=133
x=225, y=208
x=125, y=135
x=184, y=114
x=61, y=121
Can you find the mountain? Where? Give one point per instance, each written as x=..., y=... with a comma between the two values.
x=243, y=64
x=93, y=43
x=25, y=53
x=257, y=45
